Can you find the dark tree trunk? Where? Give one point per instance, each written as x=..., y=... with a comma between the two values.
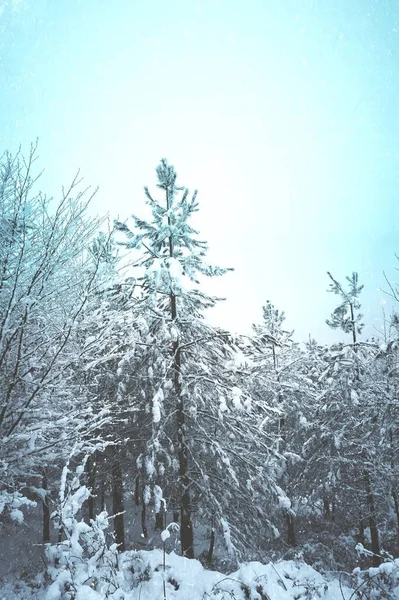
x=118, y=505
x=353, y=324
x=291, y=534
x=159, y=520
x=186, y=525
x=326, y=506
x=60, y=534
x=102, y=497
x=91, y=480
x=59, y=539
x=361, y=536
x=137, y=491
x=333, y=507
x=209, y=558
x=46, y=511
x=143, y=514
x=374, y=534
x=393, y=488
x=375, y=541
x=396, y=506
x=144, y=520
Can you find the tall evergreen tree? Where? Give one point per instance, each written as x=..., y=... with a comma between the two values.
x=276, y=377
x=172, y=250
x=348, y=318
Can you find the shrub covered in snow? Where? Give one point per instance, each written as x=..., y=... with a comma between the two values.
x=12, y=503
x=377, y=582
x=81, y=565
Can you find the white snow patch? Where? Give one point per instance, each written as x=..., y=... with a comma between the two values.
x=237, y=393
x=165, y=535
x=17, y=515
x=157, y=403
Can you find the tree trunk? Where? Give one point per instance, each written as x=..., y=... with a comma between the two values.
x=361, y=531
x=159, y=520
x=353, y=324
x=143, y=513
x=393, y=489
x=375, y=538
x=186, y=525
x=396, y=505
x=144, y=520
x=91, y=480
x=118, y=505
x=326, y=506
x=211, y=547
x=333, y=507
x=291, y=534
x=46, y=511
x=137, y=491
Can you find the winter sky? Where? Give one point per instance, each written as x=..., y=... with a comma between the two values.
x=283, y=113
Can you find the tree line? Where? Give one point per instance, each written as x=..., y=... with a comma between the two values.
x=109, y=366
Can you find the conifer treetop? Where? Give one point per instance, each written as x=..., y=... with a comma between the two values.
x=343, y=317
x=170, y=243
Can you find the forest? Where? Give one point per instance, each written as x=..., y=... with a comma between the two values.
x=146, y=453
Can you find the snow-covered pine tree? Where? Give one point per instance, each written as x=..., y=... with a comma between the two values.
x=172, y=250
x=276, y=381
x=345, y=316
x=388, y=369
x=201, y=418
x=354, y=362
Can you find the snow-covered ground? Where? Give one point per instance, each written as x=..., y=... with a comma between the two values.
x=142, y=575
x=188, y=580
x=87, y=566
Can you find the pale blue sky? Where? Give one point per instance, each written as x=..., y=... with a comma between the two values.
x=284, y=114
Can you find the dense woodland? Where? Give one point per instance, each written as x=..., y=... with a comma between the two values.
x=116, y=392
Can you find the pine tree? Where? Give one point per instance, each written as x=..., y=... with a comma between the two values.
x=276, y=360
x=171, y=251
x=344, y=316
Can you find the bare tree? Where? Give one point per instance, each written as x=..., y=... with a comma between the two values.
x=46, y=278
